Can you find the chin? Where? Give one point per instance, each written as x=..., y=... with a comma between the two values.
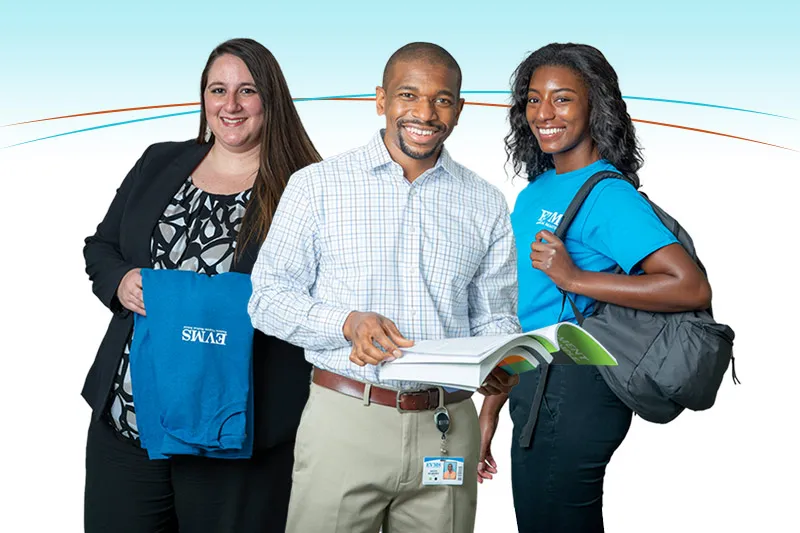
x=236, y=142
x=549, y=148
x=416, y=153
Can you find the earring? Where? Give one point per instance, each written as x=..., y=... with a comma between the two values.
x=208, y=133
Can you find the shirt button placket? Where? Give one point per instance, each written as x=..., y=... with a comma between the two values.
x=414, y=252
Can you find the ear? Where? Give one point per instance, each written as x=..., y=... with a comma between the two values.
x=380, y=100
x=460, y=109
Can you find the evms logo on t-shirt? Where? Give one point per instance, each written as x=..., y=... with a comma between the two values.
x=203, y=335
x=549, y=219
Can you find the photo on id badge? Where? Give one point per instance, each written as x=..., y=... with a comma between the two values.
x=443, y=471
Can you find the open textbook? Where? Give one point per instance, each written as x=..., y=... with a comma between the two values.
x=465, y=362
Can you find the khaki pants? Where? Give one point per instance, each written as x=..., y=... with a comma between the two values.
x=359, y=468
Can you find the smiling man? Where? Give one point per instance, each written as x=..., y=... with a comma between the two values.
x=369, y=251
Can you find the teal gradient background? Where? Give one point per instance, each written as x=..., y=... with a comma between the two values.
x=65, y=56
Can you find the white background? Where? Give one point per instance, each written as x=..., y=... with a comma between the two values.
x=732, y=468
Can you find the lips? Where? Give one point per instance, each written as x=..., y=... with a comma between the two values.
x=547, y=134
x=420, y=134
x=232, y=122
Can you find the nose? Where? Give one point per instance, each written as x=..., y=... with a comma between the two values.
x=546, y=111
x=232, y=104
x=424, y=110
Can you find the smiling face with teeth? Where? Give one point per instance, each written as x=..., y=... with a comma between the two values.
x=558, y=114
x=232, y=105
x=422, y=105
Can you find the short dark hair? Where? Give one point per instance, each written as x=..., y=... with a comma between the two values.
x=610, y=125
x=428, y=52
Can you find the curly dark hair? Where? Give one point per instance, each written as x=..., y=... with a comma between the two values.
x=610, y=126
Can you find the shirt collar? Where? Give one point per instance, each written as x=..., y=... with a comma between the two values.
x=377, y=155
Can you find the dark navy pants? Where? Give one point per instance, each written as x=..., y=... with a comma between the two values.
x=128, y=493
x=558, y=481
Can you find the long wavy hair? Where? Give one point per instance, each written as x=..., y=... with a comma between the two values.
x=285, y=145
x=610, y=126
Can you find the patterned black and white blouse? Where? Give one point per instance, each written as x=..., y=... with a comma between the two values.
x=197, y=232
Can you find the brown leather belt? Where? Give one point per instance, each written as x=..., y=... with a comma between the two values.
x=404, y=401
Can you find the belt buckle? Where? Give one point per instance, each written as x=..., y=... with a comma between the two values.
x=397, y=403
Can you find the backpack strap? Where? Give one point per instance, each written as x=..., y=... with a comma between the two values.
x=569, y=217
x=580, y=198
x=526, y=436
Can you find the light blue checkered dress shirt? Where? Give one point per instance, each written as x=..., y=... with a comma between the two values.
x=436, y=256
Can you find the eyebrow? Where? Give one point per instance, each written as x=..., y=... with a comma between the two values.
x=559, y=90
x=412, y=88
x=247, y=83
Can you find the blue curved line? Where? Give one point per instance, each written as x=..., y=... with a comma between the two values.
x=365, y=95
x=102, y=126
x=369, y=95
x=667, y=101
x=684, y=102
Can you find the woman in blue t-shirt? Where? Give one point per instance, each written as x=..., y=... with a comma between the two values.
x=569, y=121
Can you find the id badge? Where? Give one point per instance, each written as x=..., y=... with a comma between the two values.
x=442, y=470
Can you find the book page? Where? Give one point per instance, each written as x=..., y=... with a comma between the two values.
x=466, y=346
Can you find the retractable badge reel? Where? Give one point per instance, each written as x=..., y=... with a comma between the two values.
x=441, y=417
x=442, y=470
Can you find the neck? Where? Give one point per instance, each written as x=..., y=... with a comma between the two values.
x=236, y=162
x=581, y=156
x=412, y=168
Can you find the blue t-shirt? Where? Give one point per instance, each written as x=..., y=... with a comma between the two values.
x=615, y=226
x=191, y=365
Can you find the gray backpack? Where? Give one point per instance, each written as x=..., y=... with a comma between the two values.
x=668, y=362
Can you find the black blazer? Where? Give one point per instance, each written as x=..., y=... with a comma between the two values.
x=280, y=373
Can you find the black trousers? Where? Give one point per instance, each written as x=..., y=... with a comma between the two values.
x=128, y=493
x=557, y=482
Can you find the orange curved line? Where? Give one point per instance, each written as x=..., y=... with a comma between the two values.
x=372, y=99
x=103, y=112
x=343, y=99
x=671, y=126
x=487, y=104
x=711, y=133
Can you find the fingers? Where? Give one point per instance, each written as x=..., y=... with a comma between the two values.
x=395, y=334
x=130, y=292
x=136, y=308
x=132, y=302
x=486, y=467
x=375, y=338
x=543, y=247
x=491, y=464
x=504, y=378
x=373, y=353
x=498, y=382
x=387, y=344
x=491, y=386
x=542, y=255
x=547, y=237
x=366, y=353
x=505, y=381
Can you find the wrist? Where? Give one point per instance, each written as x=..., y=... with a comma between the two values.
x=347, y=328
x=490, y=410
x=575, y=281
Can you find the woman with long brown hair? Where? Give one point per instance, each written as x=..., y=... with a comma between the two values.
x=203, y=205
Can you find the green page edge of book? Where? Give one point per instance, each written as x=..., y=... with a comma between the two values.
x=583, y=349
x=546, y=343
x=525, y=366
